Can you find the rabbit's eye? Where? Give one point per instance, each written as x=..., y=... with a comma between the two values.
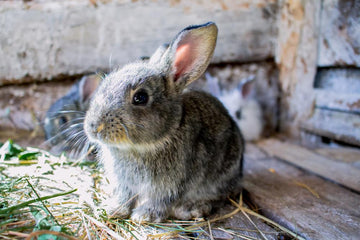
x=238, y=114
x=140, y=98
x=62, y=120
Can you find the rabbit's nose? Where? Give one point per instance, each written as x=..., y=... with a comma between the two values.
x=100, y=127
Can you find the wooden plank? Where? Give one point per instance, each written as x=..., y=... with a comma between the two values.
x=282, y=193
x=344, y=154
x=338, y=101
x=340, y=126
x=339, y=40
x=296, y=56
x=76, y=37
x=339, y=172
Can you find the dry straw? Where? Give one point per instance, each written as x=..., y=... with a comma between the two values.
x=47, y=197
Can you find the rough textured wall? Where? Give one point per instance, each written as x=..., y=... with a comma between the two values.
x=339, y=39
x=45, y=39
x=24, y=107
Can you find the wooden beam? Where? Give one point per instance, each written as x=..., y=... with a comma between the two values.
x=338, y=101
x=339, y=172
x=340, y=126
x=296, y=56
x=75, y=37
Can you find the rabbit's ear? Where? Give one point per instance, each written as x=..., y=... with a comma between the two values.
x=88, y=85
x=156, y=57
x=190, y=52
x=246, y=87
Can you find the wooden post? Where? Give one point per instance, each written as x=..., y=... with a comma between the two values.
x=296, y=57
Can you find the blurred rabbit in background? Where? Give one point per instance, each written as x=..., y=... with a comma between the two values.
x=63, y=123
x=241, y=104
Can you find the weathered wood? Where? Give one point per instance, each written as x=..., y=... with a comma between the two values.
x=42, y=39
x=340, y=126
x=296, y=56
x=282, y=193
x=337, y=171
x=338, y=101
x=344, y=154
x=339, y=40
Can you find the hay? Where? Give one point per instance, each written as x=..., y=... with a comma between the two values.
x=48, y=197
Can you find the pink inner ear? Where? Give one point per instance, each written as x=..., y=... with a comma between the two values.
x=184, y=59
x=246, y=89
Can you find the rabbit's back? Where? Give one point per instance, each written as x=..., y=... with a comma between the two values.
x=215, y=142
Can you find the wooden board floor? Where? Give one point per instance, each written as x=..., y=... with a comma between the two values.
x=298, y=198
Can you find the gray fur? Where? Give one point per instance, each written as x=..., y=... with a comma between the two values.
x=178, y=153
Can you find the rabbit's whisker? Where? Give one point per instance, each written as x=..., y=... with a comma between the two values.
x=79, y=145
x=67, y=126
x=67, y=130
x=70, y=111
x=136, y=124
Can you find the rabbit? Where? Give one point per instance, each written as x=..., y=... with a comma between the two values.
x=64, y=118
x=165, y=152
x=244, y=108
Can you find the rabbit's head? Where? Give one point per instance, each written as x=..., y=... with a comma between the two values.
x=64, y=118
x=140, y=103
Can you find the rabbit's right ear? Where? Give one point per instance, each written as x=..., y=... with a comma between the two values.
x=88, y=85
x=189, y=54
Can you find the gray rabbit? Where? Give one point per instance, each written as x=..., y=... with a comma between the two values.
x=166, y=152
x=64, y=120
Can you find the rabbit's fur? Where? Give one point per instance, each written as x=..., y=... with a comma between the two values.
x=165, y=152
x=241, y=104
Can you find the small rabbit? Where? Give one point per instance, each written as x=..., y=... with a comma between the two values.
x=63, y=123
x=64, y=119
x=165, y=152
x=244, y=109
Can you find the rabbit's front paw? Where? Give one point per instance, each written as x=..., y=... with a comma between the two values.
x=114, y=210
x=147, y=214
x=190, y=210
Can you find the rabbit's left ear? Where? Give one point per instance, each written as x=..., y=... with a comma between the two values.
x=189, y=54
